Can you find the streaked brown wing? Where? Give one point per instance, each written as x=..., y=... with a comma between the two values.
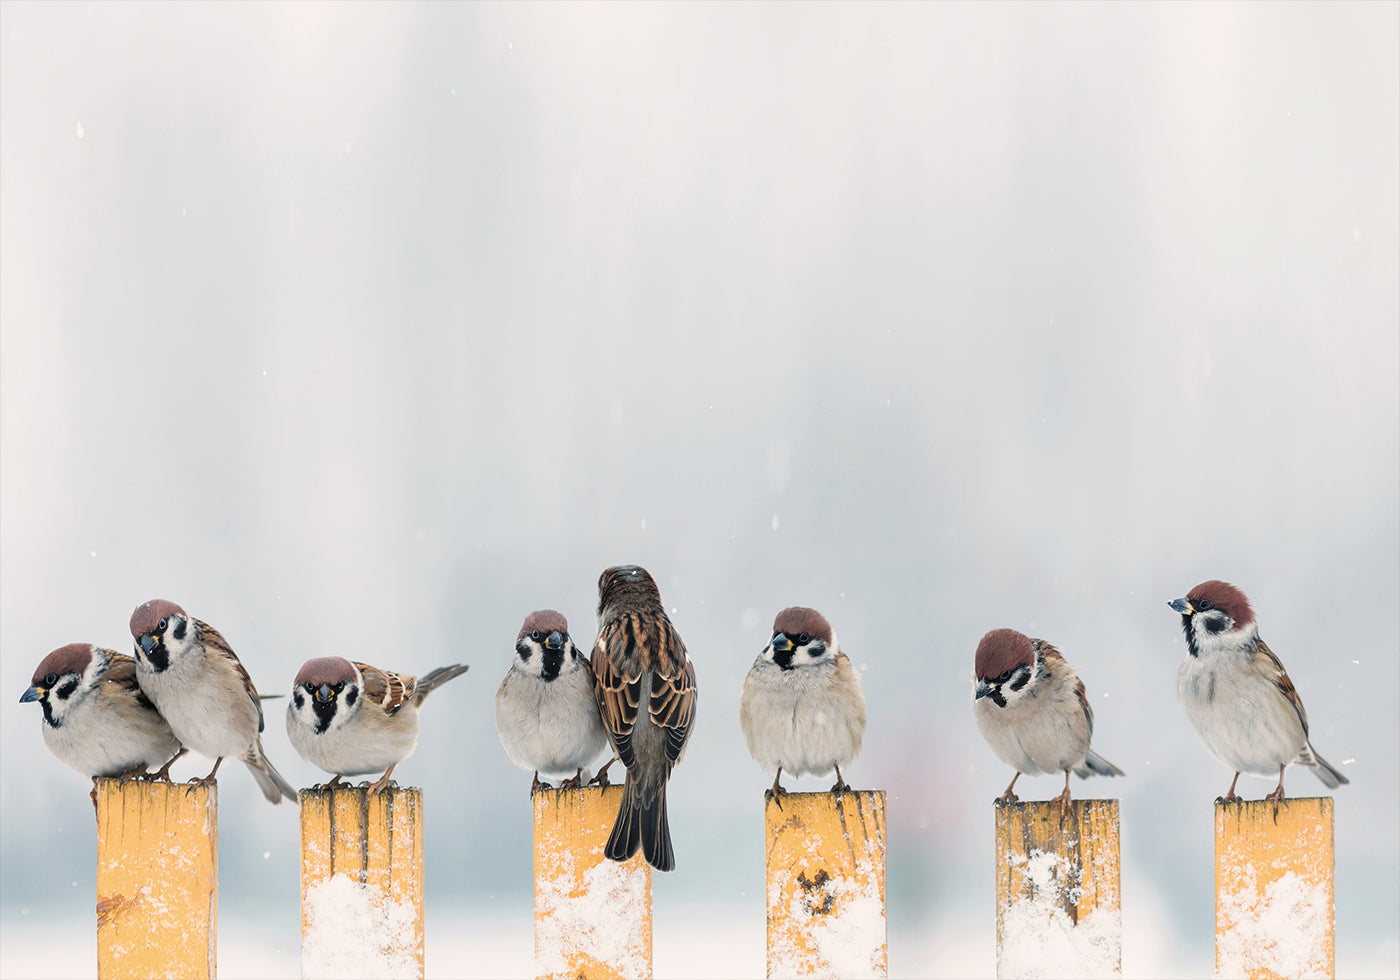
x=1285, y=685
x=619, y=694
x=385, y=687
x=121, y=673
x=672, y=704
x=214, y=641
x=1056, y=660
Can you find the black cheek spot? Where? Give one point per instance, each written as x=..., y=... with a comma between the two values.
x=1215, y=624
x=523, y=649
x=300, y=701
x=1023, y=678
x=179, y=632
x=350, y=696
x=66, y=690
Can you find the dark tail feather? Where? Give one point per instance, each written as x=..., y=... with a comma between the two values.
x=656, y=834
x=626, y=836
x=1330, y=775
x=436, y=678
x=1097, y=765
x=269, y=780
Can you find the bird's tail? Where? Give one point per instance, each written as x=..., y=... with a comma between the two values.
x=436, y=678
x=269, y=780
x=1330, y=775
x=642, y=825
x=1096, y=765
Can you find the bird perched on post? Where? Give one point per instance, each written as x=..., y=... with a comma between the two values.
x=645, y=685
x=352, y=719
x=546, y=713
x=1032, y=712
x=197, y=682
x=802, y=708
x=1240, y=701
x=96, y=719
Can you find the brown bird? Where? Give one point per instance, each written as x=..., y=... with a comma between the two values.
x=645, y=685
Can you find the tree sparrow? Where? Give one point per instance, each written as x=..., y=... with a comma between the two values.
x=802, y=708
x=645, y=684
x=197, y=682
x=546, y=714
x=1238, y=696
x=95, y=717
x=1032, y=712
x=352, y=719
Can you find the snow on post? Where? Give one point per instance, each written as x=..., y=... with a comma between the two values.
x=1274, y=889
x=826, y=885
x=592, y=915
x=157, y=879
x=361, y=882
x=1058, y=912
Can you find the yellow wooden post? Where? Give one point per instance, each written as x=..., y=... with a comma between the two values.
x=1274, y=889
x=1058, y=909
x=157, y=879
x=826, y=885
x=361, y=882
x=592, y=915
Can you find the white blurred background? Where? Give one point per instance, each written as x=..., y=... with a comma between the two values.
x=365, y=330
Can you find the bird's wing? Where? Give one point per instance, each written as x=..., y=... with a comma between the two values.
x=672, y=704
x=385, y=688
x=1054, y=661
x=121, y=674
x=1272, y=667
x=619, y=692
x=214, y=643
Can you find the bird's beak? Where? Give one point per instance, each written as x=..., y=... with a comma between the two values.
x=781, y=643
x=1182, y=606
x=34, y=693
x=554, y=641
x=325, y=693
x=983, y=689
x=149, y=641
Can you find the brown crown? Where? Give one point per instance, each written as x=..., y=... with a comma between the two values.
x=1003, y=650
x=149, y=614
x=544, y=620
x=796, y=620
x=1225, y=597
x=324, y=670
x=72, y=659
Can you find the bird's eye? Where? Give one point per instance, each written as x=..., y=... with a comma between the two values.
x=340, y=686
x=1005, y=676
x=1203, y=605
x=50, y=680
x=161, y=625
x=803, y=638
x=534, y=634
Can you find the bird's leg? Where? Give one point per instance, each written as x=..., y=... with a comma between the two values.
x=1008, y=796
x=378, y=785
x=1277, y=795
x=574, y=781
x=840, y=786
x=777, y=792
x=135, y=772
x=1230, y=797
x=163, y=773
x=329, y=783
x=207, y=780
x=93, y=797
x=536, y=785
x=1064, y=799
x=601, y=779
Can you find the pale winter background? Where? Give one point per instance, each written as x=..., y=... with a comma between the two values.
x=366, y=330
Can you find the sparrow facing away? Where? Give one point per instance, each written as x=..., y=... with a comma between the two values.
x=352, y=719
x=645, y=684
x=1032, y=712
x=802, y=708
x=1244, y=708
x=197, y=682
x=96, y=719
x=546, y=713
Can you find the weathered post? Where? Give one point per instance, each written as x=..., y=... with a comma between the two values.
x=157, y=879
x=1274, y=889
x=1058, y=911
x=592, y=915
x=361, y=882
x=826, y=884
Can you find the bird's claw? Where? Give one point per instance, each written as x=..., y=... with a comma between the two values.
x=573, y=782
x=601, y=779
x=1006, y=799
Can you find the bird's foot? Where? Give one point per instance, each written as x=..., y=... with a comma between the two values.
x=774, y=794
x=1006, y=798
x=601, y=779
x=573, y=782
x=1065, y=804
x=380, y=784
x=1277, y=797
x=840, y=788
x=537, y=784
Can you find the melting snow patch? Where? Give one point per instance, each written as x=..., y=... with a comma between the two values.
x=845, y=933
x=353, y=931
x=1283, y=930
x=1039, y=939
x=600, y=914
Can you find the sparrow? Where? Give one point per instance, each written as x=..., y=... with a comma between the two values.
x=1032, y=712
x=196, y=681
x=1244, y=708
x=96, y=719
x=351, y=719
x=645, y=685
x=802, y=708
x=546, y=714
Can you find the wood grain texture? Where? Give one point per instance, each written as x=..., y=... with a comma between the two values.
x=362, y=858
x=592, y=915
x=826, y=885
x=1052, y=875
x=1274, y=889
x=157, y=879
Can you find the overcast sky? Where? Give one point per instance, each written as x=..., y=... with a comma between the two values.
x=366, y=330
